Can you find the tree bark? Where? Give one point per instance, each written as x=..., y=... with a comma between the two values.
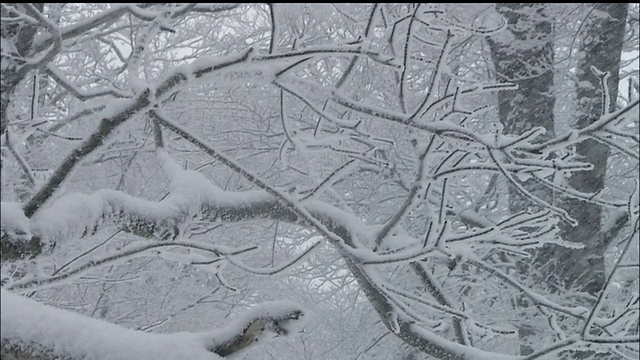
x=601, y=48
x=523, y=54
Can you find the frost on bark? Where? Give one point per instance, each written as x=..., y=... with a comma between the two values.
x=523, y=54
x=600, y=50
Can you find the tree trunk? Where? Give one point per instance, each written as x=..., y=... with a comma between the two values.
x=523, y=55
x=601, y=48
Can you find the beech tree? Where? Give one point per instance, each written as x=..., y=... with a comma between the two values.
x=597, y=76
x=529, y=62
x=211, y=154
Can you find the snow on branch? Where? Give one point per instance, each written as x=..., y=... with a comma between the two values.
x=94, y=141
x=274, y=270
x=278, y=317
x=28, y=327
x=118, y=114
x=419, y=186
x=56, y=36
x=563, y=213
x=609, y=121
x=182, y=76
x=192, y=194
x=290, y=204
x=39, y=282
x=82, y=94
x=77, y=215
x=109, y=16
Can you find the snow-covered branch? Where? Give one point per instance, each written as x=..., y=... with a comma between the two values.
x=82, y=94
x=368, y=147
x=630, y=112
x=217, y=253
x=109, y=123
x=34, y=329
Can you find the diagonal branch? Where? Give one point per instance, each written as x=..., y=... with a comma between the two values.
x=413, y=196
x=122, y=114
x=95, y=140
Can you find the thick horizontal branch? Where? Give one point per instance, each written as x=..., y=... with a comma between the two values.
x=44, y=332
x=77, y=215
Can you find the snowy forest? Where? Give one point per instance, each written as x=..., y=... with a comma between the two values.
x=320, y=181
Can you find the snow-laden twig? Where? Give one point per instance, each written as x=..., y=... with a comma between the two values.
x=602, y=295
x=274, y=269
x=554, y=348
x=356, y=49
x=615, y=145
x=332, y=119
x=85, y=253
x=367, y=32
x=82, y=94
x=147, y=33
x=437, y=292
x=336, y=175
x=493, y=154
x=442, y=128
x=483, y=31
x=578, y=311
x=397, y=256
x=436, y=76
x=283, y=119
x=405, y=59
x=56, y=36
x=37, y=283
x=631, y=111
x=415, y=194
x=590, y=198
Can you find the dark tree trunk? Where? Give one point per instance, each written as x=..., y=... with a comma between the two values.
x=601, y=47
x=523, y=55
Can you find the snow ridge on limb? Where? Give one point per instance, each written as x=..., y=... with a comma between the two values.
x=279, y=317
x=113, y=119
x=15, y=237
x=51, y=333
